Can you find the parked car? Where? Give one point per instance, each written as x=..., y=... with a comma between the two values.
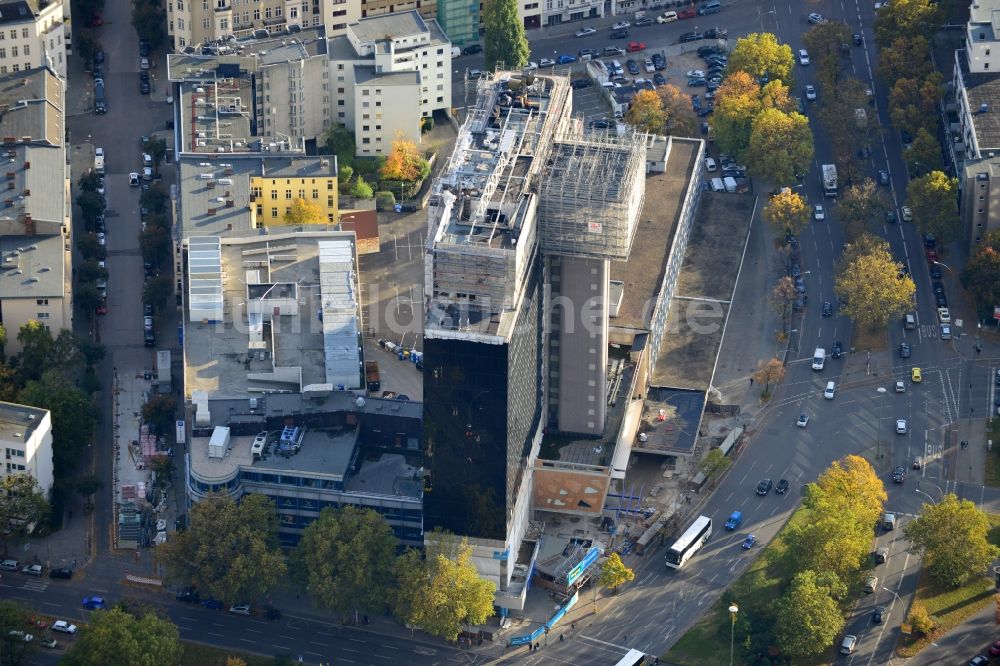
x=213, y=604
x=635, y=47
x=690, y=37
x=565, y=59
x=32, y=570
x=644, y=21
x=811, y=93
x=188, y=595
x=621, y=25
x=803, y=420
x=64, y=627
x=61, y=572
x=584, y=32
x=803, y=57
x=632, y=66
x=581, y=83
x=240, y=609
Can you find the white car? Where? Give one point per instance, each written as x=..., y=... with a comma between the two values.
x=546, y=62
x=32, y=570
x=101, y=238
x=98, y=152
x=650, y=67
x=621, y=25
x=147, y=173
x=811, y=93
x=695, y=74
x=880, y=5
x=819, y=213
x=667, y=17
x=240, y=609
x=64, y=627
x=583, y=32
x=803, y=420
x=20, y=635
x=803, y=57
x=831, y=388
x=907, y=213
x=900, y=386
x=710, y=164
x=100, y=187
x=816, y=19
x=531, y=66
x=900, y=426
x=946, y=331
x=147, y=159
x=944, y=315
x=133, y=179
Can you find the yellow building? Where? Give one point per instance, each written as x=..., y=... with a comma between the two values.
x=309, y=198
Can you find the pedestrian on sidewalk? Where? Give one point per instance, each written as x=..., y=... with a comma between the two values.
x=751, y=381
x=561, y=638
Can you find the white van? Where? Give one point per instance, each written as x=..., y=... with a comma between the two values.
x=730, y=183
x=819, y=358
x=831, y=388
x=717, y=185
x=616, y=68
x=910, y=321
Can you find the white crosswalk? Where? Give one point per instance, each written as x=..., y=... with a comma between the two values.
x=36, y=585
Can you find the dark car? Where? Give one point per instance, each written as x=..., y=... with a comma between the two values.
x=697, y=83
x=659, y=62
x=143, y=48
x=644, y=21
x=144, y=87
x=705, y=51
x=62, y=572
x=99, y=56
x=827, y=309
x=472, y=49
x=995, y=649
x=581, y=83
x=214, y=604
x=619, y=34
x=890, y=216
x=940, y=300
x=782, y=487
x=189, y=596
x=938, y=287
x=659, y=79
x=632, y=66
x=898, y=475
x=858, y=40
x=601, y=123
x=904, y=350
x=273, y=614
x=935, y=271
x=690, y=37
x=593, y=53
x=716, y=33
x=764, y=487
x=880, y=615
x=837, y=350
x=930, y=241
x=905, y=136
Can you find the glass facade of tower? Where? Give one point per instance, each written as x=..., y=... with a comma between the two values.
x=482, y=405
x=460, y=20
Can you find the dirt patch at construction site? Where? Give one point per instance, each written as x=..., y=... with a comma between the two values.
x=704, y=288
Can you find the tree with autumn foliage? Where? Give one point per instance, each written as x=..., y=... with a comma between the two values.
x=679, y=117
x=872, y=288
x=404, y=161
x=303, y=211
x=981, y=275
x=933, y=200
x=913, y=102
x=646, y=112
x=781, y=147
x=769, y=373
x=787, y=211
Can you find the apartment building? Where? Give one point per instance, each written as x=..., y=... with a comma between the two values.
x=193, y=22
x=26, y=440
x=280, y=84
x=975, y=137
x=35, y=243
x=33, y=34
x=389, y=72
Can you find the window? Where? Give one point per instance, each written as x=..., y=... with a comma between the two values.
x=267, y=12
x=274, y=194
x=43, y=315
x=277, y=10
x=27, y=51
x=986, y=65
x=224, y=24
x=13, y=51
x=13, y=34
x=288, y=194
x=206, y=23
x=42, y=301
x=256, y=14
x=365, y=92
x=366, y=140
x=24, y=33
x=3, y=53
x=315, y=193
x=302, y=194
x=329, y=202
x=329, y=185
x=274, y=212
x=293, y=12
x=16, y=68
x=365, y=128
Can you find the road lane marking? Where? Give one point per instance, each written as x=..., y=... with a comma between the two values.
x=319, y=644
x=254, y=631
x=213, y=634
x=357, y=640
x=389, y=647
x=247, y=640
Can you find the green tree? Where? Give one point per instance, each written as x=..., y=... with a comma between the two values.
x=759, y=54
x=150, y=22
x=304, y=212
x=154, y=243
x=787, y=211
x=345, y=559
x=154, y=199
x=157, y=290
x=904, y=18
x=825, y=42
x=912, y=102
x=646, y=112
x=781, y=147
x=90, y=249
x=118, y=637
x=443, y=593
x=920, y=620
x=340, y=142
x=614, y=573
x=22, y=505
x=808, y=618
x=73, y=416
x=88, y=485
x=714, y=463
x=737, y=102
x=229, y=551
x=907, y=57
x=504, y=40
x=157, y=149
x=87, y=297
x=953, y=536
x=159, y=411
x=933, y=198
x=36, y=346
x=164, y=468
x=924, y=153
x=90, y=271
x=14, y=617
x=981, y=275
x=361, y=189
x=782, y=299
x=85, y=42
x=91, y=206
x=89, y=182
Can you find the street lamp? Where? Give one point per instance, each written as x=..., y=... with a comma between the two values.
x=927, y=495
x=733, y=610
x=878, y=424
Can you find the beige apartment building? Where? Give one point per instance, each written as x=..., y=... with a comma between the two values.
x=389, y=72
x=190, y=23
x=34, y=34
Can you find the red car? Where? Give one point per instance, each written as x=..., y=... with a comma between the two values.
x=96, y=19
x=932, y=256
x=103, y=307
x=635, y=47
x=690, y=12
x=995, y=648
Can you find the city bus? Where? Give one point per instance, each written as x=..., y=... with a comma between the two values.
x=633, y=658
x=689, y=542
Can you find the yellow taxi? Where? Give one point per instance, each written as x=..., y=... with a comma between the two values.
x=915, y=375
